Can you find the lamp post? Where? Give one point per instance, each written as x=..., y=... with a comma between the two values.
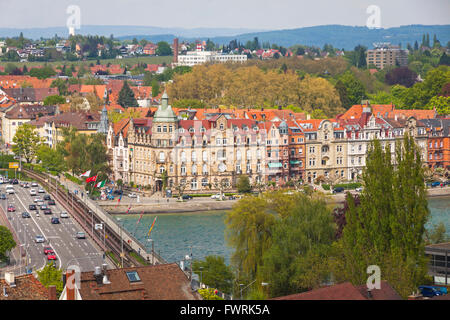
x=153, y=250
x=121, y=238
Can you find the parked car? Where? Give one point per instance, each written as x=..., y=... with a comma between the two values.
x=360, y=189
x=429, y=291
x=338, y=190
x=435, y=184
x=11, y=208
x=54, y=220
x=47, y=211
x=51, y=203
x=118, y=192
x=63, y=215
x=80, y=235
x=25, y=215
x=15, y=181
x=32, y=207
x=132, y=195
x=186, y=197
x=217, y=196
x=39, y=239
x=47, y=250
x=47, y=197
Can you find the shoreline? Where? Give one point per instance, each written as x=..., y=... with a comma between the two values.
x=192, y=206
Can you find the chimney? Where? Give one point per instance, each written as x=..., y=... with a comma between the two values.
x=98, y=275
x=52, y=293
x=308, y=117
x=369, y=294
x=105, y=277
x=10, y=279
x=70, y=284
x=5, y=294
x=175, y=50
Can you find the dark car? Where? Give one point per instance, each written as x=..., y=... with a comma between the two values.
x=25, y=215
x=44, y=207
x=435, y=184
x=55, y=220
x=32, y=207
x=80, y=235
x=429, y=291
x=338, y=190
x=187, y=197
x=47, y=211
x=3, y=196
x=47, y=197
x=15, y=181
x=117, y=192
x=51, y=203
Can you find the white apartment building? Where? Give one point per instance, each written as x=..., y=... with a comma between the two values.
x=192, y=58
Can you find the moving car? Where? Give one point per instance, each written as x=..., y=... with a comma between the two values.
x=11, y=208
x=25, y=215
x=3, y=196
x=41, y=190
x=54, y=220
x=132, y=195
x=39, y=239
x=43, y=207
x=80, y=235
x=32, y=207
x=26, y=185
x=47, y=197
x=338, y=190
x=15, y=181
x=63, y=215
x=47, y=250
x=32, y=192
x=34, y=184
x=37, y=199
x=9, y=190
x=47, y=211
x=51, y=203
x=51, y=255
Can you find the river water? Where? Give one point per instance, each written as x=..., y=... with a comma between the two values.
x=175, y=235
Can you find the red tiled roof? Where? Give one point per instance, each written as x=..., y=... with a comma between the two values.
x=27, y=288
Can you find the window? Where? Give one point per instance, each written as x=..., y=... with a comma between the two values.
x=194, y=169
x=183, y=170
x=205, y=156
x=162, y=157
x=194, y=184
x=161, y=169
x=158, y=129
x=133, y=276
x=164, y=128
x=204, y=182
x=205, y=168
x=194, y=156
x=183, y=156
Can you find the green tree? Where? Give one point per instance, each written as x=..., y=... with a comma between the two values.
x=61, y=84
x=214, y=273
x=436, y=234
x=163, y=49
x=26, y=142
x=243, y=184
x=155, y=88
x=387, y=228
x=51, y=158
x=54, y=100
x=126, y=96
x=7, y=242
x=51, y=276
x=355, y=89
x=42, y=73
x=301, y=242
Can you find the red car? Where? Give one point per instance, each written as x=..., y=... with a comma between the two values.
x=51, y=255
x=47, y=250
x=11, y=208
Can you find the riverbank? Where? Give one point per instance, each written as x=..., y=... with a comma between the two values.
x=206, y=204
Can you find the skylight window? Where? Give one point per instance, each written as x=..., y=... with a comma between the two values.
x=133, y=276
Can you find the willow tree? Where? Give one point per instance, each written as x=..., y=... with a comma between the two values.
x=387, y=228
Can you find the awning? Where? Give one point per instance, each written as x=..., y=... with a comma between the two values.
x=275, y=164
x=295, y=162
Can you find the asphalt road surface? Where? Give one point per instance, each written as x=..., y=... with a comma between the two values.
x=61, y=237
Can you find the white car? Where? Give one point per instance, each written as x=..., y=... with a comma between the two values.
x=63, y=215
x=132, y=195
x=34, y=184
x=39, y=239
x=37, y=199
x=32, y=192
x=41, y=190
x=360, y=189
x=217, y=196
x=10, y=190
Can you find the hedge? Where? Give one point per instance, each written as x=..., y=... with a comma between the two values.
x=73, y=179
x=326, y=187
x=347, y=186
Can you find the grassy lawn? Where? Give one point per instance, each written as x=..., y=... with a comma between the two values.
x=124, y=61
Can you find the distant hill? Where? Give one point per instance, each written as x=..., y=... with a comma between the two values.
x=346, y=37
x=121, y=31
x=339, y=36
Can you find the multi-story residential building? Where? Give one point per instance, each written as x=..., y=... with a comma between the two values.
x=297, y=151
x=385, y=54
x=438, y=142
x=193, y=58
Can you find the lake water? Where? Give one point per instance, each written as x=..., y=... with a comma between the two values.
x=175, y=234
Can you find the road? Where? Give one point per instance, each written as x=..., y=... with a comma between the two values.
x=61, y=237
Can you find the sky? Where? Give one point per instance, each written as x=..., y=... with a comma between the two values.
x=251, y=14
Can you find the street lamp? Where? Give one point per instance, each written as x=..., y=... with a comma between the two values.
x=153, y=250
x=121, y=238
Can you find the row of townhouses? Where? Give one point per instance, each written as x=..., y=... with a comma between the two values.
x=208, y=153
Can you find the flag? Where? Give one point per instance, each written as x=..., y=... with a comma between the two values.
x=153, y=224
x=86, y=174
x=91, y=179
x=118, y=200
x=128, y=210
x=100, y=184
x=140, y=217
